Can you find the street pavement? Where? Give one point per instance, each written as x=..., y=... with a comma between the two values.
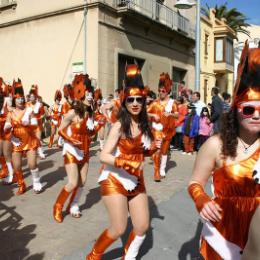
x=28, y=231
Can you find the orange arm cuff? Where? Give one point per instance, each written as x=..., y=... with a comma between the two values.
x=199, y=196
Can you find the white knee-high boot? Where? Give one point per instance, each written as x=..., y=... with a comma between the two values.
x=74, y=209
x=10, y=176
x=40, y=152
x=133, y=249
x=37, y=186
x=101, y=143
x=163, y=165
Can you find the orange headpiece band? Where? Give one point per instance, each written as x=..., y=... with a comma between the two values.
x=247, y=87
x=58, y=95
x=133, y=83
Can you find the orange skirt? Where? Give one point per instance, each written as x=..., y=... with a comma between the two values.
x=112, y=186
x=69, y=159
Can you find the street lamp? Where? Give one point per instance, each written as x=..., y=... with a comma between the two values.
x=186, y=4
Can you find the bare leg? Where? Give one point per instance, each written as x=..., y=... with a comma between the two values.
x=252, y=249
x=7, y=150
x=117, y=208
x=139, y=212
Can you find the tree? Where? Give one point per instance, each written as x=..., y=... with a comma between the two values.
x=235, y=19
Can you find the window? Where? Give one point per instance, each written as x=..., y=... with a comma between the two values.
x=206, y=43
x=224, y=50
x=219, y=50
x=205, y=90
x=229, y=52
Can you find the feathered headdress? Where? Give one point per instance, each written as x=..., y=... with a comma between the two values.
x=247, y=85
x=17, y=89
x=97, y=94
x=4, y=88
x=34, y=90
x=80, y=85
x=165, y=81
x=58, y=95
x=133, y=83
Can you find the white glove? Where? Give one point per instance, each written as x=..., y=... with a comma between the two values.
x=15, y=141
x=127, y=180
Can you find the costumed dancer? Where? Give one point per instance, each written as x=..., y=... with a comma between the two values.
x=22, y=123
x=39, y=112
x=5, y=140
x=231, y=159
x=121, y=180
x=163, y=113
x=55, y=112
x=76, y=129
x=99, y=118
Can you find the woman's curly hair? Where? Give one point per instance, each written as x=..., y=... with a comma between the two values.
x=229, y=133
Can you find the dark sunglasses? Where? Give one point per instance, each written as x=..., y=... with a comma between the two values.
x=138, y=100
x=161, y=90
x=248, y=110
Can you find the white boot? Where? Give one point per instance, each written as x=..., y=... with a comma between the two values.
x=10, y=176
x=163, y=165
x=37, y=186
x=40, y=152
x=74, y=209
x=60, y=141
x=101, y=143
x=134, y=247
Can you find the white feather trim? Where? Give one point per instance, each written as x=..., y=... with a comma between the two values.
x=76, y=152
x=60, y=108
x=34, y=121
x=36, y=108
x=26, y=116
x=146, y=141
x=90, y=124
x=168, y=107
x=226, y=249
x=7, y=126
x=157, y=126
x=256, y=171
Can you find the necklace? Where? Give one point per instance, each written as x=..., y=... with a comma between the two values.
x=246, y=147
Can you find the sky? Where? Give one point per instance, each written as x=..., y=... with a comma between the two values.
x=251, y=8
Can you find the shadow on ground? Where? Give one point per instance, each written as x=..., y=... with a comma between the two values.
x=14, y=237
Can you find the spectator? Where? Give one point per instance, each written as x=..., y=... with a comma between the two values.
x=151, y=96
x=195, y=98
x=182, y=109
x=216, y=109
x=205, y=128
x=226, y=102
x=190, y=129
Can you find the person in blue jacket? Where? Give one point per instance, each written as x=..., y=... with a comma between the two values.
x=190, y=129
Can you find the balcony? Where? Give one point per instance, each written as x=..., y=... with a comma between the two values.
x=7, y=4
x=223, y=67
x=158, y=13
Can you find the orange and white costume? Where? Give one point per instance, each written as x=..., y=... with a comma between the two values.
x=238, y=195
x=55, y=116
x=7, y=168
x=23, y=139
x=125, y=177
x=236, y=187
x=164, y=129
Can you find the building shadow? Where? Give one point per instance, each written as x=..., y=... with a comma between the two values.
x=148, y=242
x=14, y=237
x=190, y=249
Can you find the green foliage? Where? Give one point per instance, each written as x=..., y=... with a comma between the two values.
x=235, y=19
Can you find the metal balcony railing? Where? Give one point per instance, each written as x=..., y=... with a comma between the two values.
x=160, y=13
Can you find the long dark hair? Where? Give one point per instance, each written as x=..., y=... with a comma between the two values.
x=80, y=108
x=124, y=118
x=203, y=110
x=228, y=133
x=1, y=101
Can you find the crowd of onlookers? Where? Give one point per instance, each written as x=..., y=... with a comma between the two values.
x=197, y=121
